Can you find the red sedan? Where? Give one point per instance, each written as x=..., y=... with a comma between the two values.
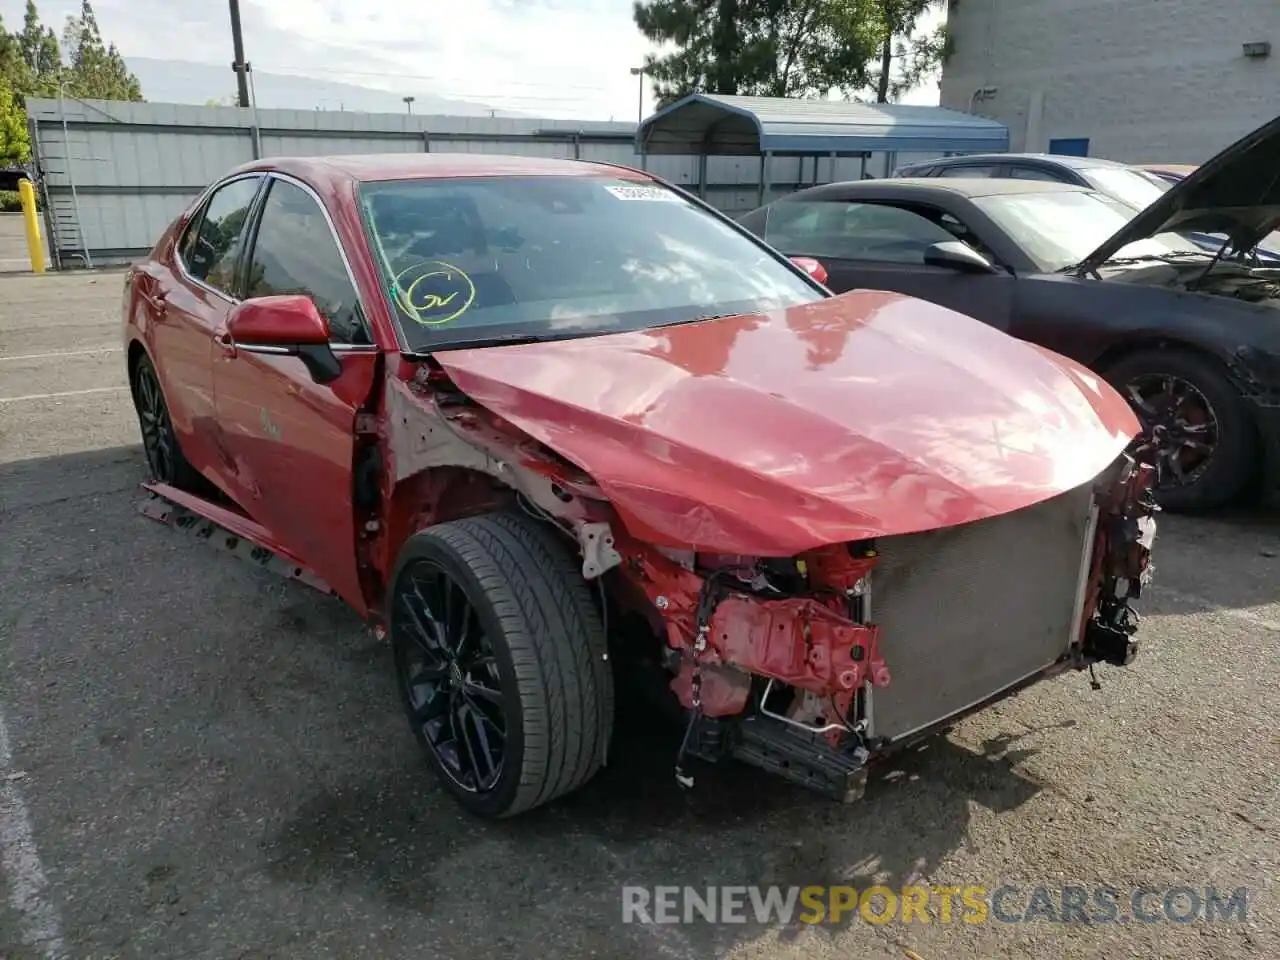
x=551, y=426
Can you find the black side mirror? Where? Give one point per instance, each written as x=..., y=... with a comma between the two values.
x=957, y=255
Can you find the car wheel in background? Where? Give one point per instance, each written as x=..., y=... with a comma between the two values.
x=501, y=661
x=159, y=441
x=1201, y=439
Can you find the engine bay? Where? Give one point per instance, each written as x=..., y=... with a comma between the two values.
x=1236, y=279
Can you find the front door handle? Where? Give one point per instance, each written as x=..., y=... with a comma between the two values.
x=223, y=339
x=156, y=300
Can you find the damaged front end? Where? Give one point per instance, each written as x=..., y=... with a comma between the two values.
x=784, y=665
x=814, y=665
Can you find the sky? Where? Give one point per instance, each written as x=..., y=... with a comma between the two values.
x=553, y=58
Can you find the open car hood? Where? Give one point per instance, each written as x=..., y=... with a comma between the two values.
x=863, y=415
x=1237, y=193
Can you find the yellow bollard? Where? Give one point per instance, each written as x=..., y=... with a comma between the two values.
x=35, y=248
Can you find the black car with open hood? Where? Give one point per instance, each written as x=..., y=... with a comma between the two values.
x=1190, y=335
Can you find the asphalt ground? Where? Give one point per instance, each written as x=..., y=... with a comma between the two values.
x=199, y=760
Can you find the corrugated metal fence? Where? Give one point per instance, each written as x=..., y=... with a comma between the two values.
x=113, y=175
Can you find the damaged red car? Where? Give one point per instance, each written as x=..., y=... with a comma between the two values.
x=555, y=426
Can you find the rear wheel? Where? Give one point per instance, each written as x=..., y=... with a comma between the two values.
x=500, y=658
x=1201, y=440
x=159, y=440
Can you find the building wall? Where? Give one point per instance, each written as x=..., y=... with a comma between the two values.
x=116, y=174
x=1143, y=80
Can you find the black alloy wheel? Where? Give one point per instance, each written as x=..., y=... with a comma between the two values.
x=501, y=661
x=1180, y=424
x=1196, y=431
x=450, y=676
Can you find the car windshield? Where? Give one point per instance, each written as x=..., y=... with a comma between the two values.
x=484, y=259
x=1138, y=190
x=1058, y=230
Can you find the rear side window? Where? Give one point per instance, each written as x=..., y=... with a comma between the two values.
x=1036, y=173
x=295, y=252
x=853, y=231
x=212, y=243
x=969, y=170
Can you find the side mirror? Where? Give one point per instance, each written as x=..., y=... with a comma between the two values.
x=286, y=325
x=957, y=255
x=812, y=267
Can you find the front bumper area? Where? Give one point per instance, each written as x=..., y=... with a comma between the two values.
x=962, y=617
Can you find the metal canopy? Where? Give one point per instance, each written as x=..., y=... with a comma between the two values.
x=715, y=125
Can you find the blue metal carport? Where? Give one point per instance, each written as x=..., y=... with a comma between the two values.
x=704, y=125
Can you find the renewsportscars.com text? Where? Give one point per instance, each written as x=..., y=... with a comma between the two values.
x=933, y=904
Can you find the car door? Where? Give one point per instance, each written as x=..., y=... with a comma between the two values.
x=881, y=246
x=289, y=442
x=187, y=300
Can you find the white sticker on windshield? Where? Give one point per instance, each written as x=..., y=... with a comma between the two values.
x=644, y=193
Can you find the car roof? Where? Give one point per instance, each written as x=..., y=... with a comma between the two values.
x=962, y=186
x=1075, y=163
x=365, y=168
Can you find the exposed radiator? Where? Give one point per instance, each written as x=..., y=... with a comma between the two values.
x=968, y=611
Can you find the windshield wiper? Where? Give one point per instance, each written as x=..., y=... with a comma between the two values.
x=1177, y=256
x=505, y=340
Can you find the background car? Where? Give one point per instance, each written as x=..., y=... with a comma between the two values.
x=1192, y=339
x=1128, y=184
x=1134, y=185
x=551, y=425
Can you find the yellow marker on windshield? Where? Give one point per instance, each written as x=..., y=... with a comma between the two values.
x=441, y=294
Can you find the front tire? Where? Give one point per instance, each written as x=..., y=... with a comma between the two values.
x=1204, y=444
x=501, y=661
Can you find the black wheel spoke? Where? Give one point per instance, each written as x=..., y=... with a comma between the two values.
x=473, y=689
x=486, y=750
x=433, y=706
x=422, y=635
x=450, y=675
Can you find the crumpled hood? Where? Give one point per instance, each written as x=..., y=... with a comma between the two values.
x=863, y=415
x=1237, y=193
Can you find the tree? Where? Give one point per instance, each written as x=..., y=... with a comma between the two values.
x=96, y=70
x=15, y=142
x=38, y=47
x=916, y=56
x=780, y=48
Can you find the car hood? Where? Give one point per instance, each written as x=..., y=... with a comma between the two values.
x=863, y=415
x=1237, y=193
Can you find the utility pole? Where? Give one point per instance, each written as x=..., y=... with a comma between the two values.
x=239, y=66
x=639, y=72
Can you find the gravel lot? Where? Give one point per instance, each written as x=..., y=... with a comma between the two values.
x=207, y=762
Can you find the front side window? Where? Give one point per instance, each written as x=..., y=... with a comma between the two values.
x=212, y=244
x=295, y=252
x=1058, y=230
x=853, y=231
x=499, y=258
